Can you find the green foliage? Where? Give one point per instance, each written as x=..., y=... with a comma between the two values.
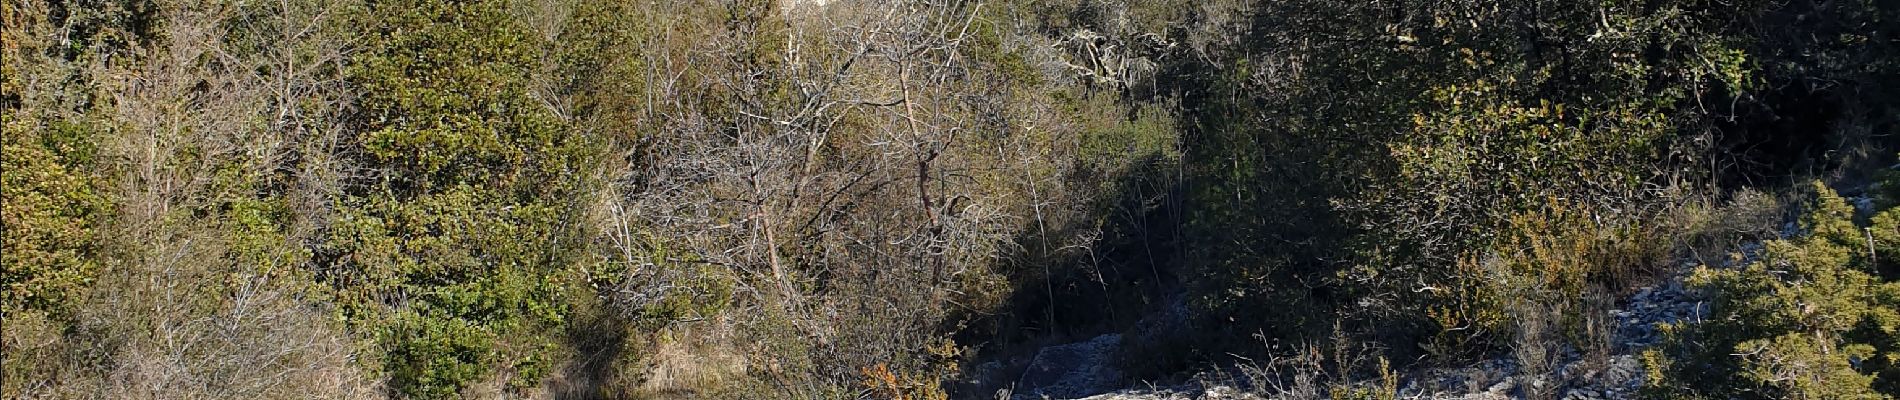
x=1112, y=139
x=676, y=287
x=1387, y=387
x=52, y=189
x=991, y=50
x=1808, y=319
x=428, y=175
x=1396, y=151
x=459, y=250
x=602, y=39
x=447, y=101
x=434, y=357
x=1516, y=131
x=52, y=204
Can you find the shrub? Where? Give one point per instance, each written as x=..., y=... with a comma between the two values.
x=51, y=203
x=455, y=255
x=1808, y=319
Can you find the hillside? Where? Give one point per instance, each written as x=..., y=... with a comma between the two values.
x=968, y=199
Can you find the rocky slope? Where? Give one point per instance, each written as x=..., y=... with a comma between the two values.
x=1083, y=370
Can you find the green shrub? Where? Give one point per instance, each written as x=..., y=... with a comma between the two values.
x=49, y=205
x=458, y=253
x=51, y=249
x=1369, y=153
x=1809, y=319
x=435, y=357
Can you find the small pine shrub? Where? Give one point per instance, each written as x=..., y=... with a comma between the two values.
x=1810, y=319
x=455, y=258
x=51, y=205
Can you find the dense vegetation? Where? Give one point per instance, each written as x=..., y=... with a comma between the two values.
x=1814, y=317
x=838, y=199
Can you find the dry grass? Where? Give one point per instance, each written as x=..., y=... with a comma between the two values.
x=687, y=360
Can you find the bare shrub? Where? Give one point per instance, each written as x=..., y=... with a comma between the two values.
x=178, y=325
x=1354, y=369
x=207, y=293
x=1538, y=348
x=816, y=185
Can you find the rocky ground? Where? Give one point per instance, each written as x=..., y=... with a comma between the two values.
x=1083, y=370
